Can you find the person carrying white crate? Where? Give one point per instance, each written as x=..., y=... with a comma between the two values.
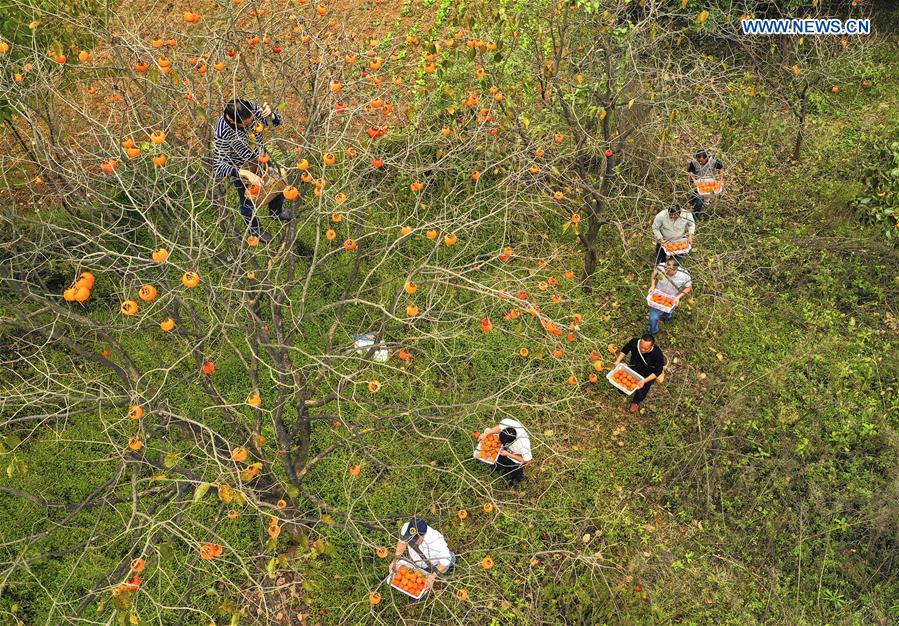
x=702, y=166
x=515, y=453
x=671, y=281
x=647, y=360
x=427, y=549
x=669, y=225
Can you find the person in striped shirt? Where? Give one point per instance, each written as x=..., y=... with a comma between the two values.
x=232, y=151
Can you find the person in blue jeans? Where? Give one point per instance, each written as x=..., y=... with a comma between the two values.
x=671, y=280
x=232, y=151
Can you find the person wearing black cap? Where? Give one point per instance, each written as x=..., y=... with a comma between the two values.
x=427, y=549
x=515, y=453
x=647, y=360
x=703, y=166
x=232, y=152
x=671, y=224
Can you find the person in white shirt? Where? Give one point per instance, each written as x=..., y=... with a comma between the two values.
x=673, y=281
x=427, y=549
x=515, y=453
x=671, y=225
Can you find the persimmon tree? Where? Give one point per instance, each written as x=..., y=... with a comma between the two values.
x=222, y=422
x=794, y=71
x=610, y=80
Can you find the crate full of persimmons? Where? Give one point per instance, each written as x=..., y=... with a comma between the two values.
x=488, y=449
x=624, y=378
x=409, y=579
x=661, y=301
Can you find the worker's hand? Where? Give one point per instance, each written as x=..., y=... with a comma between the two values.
x=482, y=436
x=640, y=384
x=429, y=582
x=265, y=111
x=690, y=239
x=250, y=177
x=393, y=566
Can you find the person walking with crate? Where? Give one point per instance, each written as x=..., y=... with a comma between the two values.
x=669, y=225
x=670, y=280
x=647, y=360
x=703, y=167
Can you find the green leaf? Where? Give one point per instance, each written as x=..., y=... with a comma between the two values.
x=170, y=460
x=166, y=551
x=202, y=488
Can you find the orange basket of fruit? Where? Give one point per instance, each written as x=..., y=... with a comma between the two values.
x=488, y=449
x=678, y=246
x=658, y=300
x=624, y=378
x=708, y=186
x=408, y=579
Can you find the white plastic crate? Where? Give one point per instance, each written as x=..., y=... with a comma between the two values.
x=423, y=572
x=677, y=252
x=701, y=184
x=477, y=449
x=365, y=341
x=658, y=305
x=622, y=366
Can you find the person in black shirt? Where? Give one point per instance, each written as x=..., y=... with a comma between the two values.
x=647, y=360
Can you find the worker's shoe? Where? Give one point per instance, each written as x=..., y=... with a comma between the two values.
x=265, y=238
x=634, y=407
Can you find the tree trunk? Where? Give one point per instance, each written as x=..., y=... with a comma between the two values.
x=588, y=241
x=800, y=132
x=800, y=135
